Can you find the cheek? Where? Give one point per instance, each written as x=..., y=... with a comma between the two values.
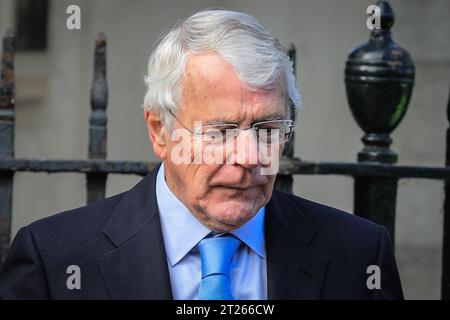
x=194, y=181
x=268, y=187
x=202, y=179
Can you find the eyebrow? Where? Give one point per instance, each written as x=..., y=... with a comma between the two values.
x=272, y=116
x=215, y=122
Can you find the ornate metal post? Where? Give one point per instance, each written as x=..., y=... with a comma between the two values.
x=379, y=78
x=6, y=139
x=96, y=182
x=284, y=182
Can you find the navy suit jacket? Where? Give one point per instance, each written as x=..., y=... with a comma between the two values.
x=313, y=252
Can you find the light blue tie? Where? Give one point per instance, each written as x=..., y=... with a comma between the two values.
x=216, y=254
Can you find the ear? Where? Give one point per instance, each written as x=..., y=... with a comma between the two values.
x=157, y=133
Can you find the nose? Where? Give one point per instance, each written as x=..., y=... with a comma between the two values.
x=246, y=149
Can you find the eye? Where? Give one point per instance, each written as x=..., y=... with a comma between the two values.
x=214, y=131
x=269, y=125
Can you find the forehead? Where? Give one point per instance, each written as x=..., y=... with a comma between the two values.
x=212, y=83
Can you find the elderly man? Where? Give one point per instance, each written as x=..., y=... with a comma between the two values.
x=207, y=224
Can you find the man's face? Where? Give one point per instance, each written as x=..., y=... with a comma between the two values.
x=222, y=196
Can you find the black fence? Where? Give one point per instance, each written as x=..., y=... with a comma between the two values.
x=379, y=77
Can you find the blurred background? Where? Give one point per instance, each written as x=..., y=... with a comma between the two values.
x=54, y=72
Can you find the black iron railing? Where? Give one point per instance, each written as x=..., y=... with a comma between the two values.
x=379, y=77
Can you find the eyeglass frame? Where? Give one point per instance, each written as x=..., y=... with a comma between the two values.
x=291, y=125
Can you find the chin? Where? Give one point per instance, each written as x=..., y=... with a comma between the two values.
x=233, y=214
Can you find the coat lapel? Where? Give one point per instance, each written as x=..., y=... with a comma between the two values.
x=294, y=269
x=137, y=267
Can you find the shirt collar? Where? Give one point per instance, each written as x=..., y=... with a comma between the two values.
x=182, y=230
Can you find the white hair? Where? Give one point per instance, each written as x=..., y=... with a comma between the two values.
x=257, y=57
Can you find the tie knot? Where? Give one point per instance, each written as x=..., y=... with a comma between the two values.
x=216, y=254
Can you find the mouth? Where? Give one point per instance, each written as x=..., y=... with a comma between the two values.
x=236, y=187
x=240, y=191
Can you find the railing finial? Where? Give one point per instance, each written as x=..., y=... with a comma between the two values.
x=379, y=77
x=98, y=120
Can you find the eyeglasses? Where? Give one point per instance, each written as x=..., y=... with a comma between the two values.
x=267, y=131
